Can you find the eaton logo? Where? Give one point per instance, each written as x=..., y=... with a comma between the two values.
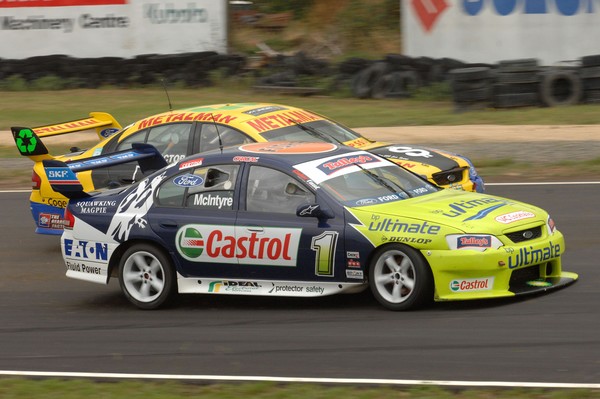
x=507, y=7
x=85, y=250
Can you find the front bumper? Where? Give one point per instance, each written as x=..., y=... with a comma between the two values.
x=503, y=272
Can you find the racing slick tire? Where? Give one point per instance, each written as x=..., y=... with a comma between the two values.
x=400, y=279
x=146, y=276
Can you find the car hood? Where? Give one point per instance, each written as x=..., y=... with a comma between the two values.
x=466, y=211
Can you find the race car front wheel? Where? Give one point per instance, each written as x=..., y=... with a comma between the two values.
x=400, y=278
x=146, y=276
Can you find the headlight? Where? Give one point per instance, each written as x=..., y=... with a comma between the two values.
x=550, y=225
x=474, y=242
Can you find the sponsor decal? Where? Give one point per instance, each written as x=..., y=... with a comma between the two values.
x=288, y=147
x=355, y=274
x=59, y=203
x=408, y=240
x=51, y=221
x=191, y=163
x=83, y=268
x=85, y=250
x=233, y=286
x=366, y=201
x=240, y=158
x=188, y=180
x=461, y=207
x=61, y=175
x=271, y=246
x=526, y=257
x=289, y=288
x=473, y=242
x=185, y=117
x=281, y=119
x=26, y=141
x=308, y=210
x=88, y=207
x=429, y=11
x=514, y=216
x=133, y=208
x=264, y=110
x=173, y=158
x=353, y=263
x=213, y=201
x=335, y=164
x=65, y=126
x=472, y=284
x=352, y=255
x=410, y=151
x=398, y=226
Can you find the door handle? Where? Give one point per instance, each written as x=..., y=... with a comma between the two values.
x=255, y=229
x=168, y=224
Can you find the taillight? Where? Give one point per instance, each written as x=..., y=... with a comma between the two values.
x=36, y=182
x=69, y=219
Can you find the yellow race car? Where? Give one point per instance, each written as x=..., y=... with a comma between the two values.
x=179, y=133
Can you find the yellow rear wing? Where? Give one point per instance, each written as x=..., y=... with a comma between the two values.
x=104, y=123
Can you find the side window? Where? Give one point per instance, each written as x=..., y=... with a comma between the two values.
x=171, y=140
x=137, y=137
x=229, y=137
x=210, y=188
x=273, y=191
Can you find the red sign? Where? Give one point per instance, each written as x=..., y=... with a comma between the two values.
x=58, y=3
x=429, y=11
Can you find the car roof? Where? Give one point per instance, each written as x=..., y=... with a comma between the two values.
x=284, y=154
x=257, y=117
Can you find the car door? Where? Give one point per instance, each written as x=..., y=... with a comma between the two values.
x=194, y=215
x=282, y=245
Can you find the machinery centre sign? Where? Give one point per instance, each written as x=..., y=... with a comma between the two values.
x=493, y=30
x=117, y=28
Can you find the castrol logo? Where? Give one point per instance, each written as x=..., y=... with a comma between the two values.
x=242, y=244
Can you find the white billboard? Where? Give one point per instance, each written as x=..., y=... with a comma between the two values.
x=116, y=28
x=488, y=31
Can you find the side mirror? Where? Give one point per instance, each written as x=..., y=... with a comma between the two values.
x=315, y=211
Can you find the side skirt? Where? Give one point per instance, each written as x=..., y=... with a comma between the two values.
x=187, y=285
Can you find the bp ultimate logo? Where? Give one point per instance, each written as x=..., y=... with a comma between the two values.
x=250, y=245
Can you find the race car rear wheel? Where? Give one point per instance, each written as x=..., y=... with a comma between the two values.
x=146, y=276
x=400, y=278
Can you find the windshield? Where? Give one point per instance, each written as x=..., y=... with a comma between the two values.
x=374, y=186
x=322, y=130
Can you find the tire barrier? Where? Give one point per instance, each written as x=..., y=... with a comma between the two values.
x=517, y=83
x=471, y=87
x=590, y=76
x=560, y=87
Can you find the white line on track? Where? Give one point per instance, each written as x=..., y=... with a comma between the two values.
x=356, y=381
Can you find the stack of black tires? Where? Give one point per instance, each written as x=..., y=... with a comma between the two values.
x=590, y=76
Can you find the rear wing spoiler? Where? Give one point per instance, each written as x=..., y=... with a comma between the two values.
x=62, y=175
x=104, y=123
x=29, y=143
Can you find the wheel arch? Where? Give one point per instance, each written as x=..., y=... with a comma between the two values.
x=115, y=259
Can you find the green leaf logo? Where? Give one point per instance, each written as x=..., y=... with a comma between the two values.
x=26, y=141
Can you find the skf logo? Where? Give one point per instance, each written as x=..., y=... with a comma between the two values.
x=249, y=245
x=428, y=11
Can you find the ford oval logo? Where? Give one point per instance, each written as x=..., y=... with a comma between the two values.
x=527, y=234
x=188, y=180
x=108, y=132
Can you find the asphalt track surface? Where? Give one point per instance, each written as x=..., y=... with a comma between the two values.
x=51, y=323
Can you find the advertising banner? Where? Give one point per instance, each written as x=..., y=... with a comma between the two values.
x=553, y=31
x=116, y=28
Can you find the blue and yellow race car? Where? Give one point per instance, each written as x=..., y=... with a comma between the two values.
x=180, y=133
x=300, y=219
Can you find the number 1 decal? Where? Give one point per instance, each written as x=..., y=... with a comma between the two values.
x=324, y=245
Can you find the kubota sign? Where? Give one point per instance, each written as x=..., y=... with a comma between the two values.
x=116, y=28
x=495, y=30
